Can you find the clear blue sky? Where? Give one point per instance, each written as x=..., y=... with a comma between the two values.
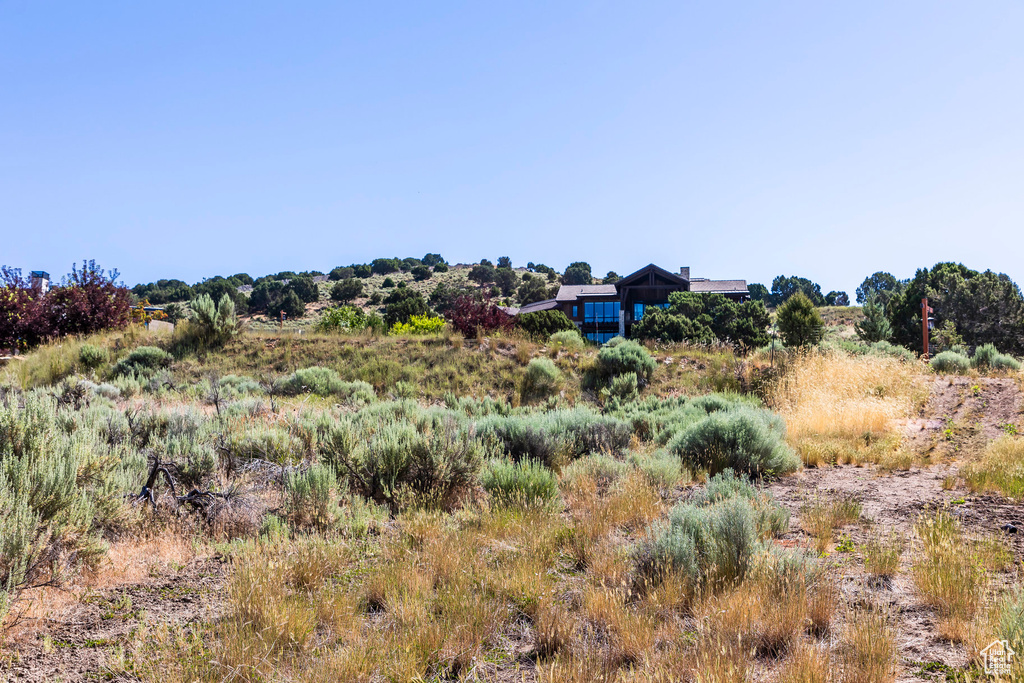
x=745, y=140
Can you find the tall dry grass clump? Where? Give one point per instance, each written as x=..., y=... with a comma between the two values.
x=949, y=574
x=844, y=408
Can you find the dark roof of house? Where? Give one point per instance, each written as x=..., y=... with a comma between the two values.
x=573, y=292
x=545, y=305
x=40, y=273
x=718, y=286
x=651, y=268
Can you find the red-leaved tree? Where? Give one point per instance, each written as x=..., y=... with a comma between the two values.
x=468, y=314
x=85, y=301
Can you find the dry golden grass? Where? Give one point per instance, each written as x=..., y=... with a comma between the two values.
x=821, y=518
x=1000, y=469
x=869, y=652
x=807, y=665
x=841, y=408
x=882, y=555
x=949, y=574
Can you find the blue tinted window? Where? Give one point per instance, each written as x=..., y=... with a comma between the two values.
x=601, y=311
x=600, y=337
x=575, y=311
x=639, y=306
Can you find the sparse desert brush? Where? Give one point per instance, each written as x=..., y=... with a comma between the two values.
x=836, y=394
x=1000, y=469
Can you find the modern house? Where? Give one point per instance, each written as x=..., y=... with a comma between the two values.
x=604, y=311
x=40, y=281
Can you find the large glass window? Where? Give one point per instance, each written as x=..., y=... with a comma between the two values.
x=601, y=312
x=639, y=306
x=600, y=337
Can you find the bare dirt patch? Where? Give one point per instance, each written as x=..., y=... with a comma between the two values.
x=75, y=643
x=961, y=417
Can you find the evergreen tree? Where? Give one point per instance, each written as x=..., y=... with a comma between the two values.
x=800, y=324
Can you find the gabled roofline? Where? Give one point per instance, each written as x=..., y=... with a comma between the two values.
x=657, y=270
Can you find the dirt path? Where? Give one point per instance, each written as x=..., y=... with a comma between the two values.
x=960, y=418
x=76, y=646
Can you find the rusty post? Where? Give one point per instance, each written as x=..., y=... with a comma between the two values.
x=924, y=324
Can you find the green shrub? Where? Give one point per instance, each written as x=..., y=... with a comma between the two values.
x=212, y=324
x=799, y=322
x=570, y=340
x=519, y=484
x=623, y=357
x=396, y=463
x=348, y=319
x=715, y=540
x=92, y=356
x=624, y=387
x=662, y=469
x=987, y=357
x=541, y=378
x=143, y=361
x=324, y=382
x=983, y=356
x=543, y=324
x=347, y=290
x=746, y=440
x=950, y=363
x=236, y=386
x=884, y=348
x=310, y=498
x=1005, y=363
x=556, y=436
x=419, y=325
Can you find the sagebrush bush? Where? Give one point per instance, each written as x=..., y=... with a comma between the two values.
x=236, y=386
x=950, y=363
x=747, y=440
x=988, y=357
x=142, y=362
x=556, y=436
x=625, y=356
x=602, y=469
x=541, y=378
x=1005, y=363
x=92, y=357
x=398, y=463
x=526, y=483
x=983, y=356
x=715, y=539
x=570, y=340
x=663, y=470
x=210, y=324
x=311, y=498
x=624, y=387
x=324, y=382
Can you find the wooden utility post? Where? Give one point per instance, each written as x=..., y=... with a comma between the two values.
x=925, y=310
